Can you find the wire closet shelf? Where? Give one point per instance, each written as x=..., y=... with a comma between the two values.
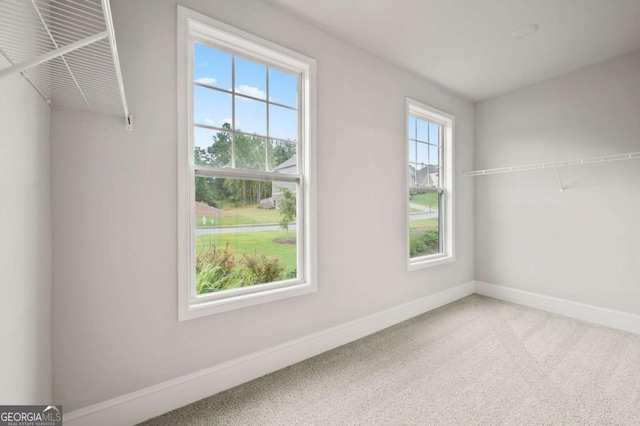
x=66, y=50
x=556, y=164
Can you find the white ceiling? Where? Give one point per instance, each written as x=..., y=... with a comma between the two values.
x=466, y=45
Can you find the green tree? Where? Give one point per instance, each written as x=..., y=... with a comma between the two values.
x=204, y=192
x=287, y=209
x=249, y=152
x=281, y=152
x=220, y=191
x=219, y=153
x=208, y=190
x=241, y=192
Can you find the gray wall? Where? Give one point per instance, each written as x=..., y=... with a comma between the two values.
x=584, y=244
x=25, y=244
x=114, y=210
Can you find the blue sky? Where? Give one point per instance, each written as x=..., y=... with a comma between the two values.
x=212, y=107
x=423, y=148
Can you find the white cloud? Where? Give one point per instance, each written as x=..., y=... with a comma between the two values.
x=211, y=122
x=206, y=80
x=251, y=91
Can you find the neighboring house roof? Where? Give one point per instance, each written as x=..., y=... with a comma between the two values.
x=425, y=176
x=425, y=171
x=289, y=166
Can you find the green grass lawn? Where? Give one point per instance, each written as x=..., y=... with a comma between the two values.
x=253, y=242
x=249, y=215
x=427, y=199
x=424, y=223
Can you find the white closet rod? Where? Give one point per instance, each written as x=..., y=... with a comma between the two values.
x=556, y=164
x=30, y=63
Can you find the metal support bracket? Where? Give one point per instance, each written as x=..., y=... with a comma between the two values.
x=128, y=124
x=562, y=188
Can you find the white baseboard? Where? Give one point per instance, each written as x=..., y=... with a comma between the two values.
x=582, y=311
x=158, y=399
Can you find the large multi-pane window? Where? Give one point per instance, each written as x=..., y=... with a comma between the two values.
x=247, y=128
x=430, y=203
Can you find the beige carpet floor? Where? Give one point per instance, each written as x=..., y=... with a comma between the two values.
x=477, y=361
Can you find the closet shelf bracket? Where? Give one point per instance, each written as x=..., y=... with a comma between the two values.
x=66, y=50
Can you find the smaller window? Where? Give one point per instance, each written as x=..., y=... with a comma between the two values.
x=429, y=186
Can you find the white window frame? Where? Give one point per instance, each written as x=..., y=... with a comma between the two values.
x=446, y=234
x=194, y=26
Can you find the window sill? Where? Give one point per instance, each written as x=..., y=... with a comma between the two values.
x=429, y=261
x=199, y=308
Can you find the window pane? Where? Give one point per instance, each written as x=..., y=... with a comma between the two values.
x=424, y=220
x=251, y=116
x=412, y=174
x=412, y=151
x=433, y=133
x=251, y=78
x=283, y=123
x=434, y=157
x=211, y=67
x=212, y=147
x=426, y=176
x=412, y=127
x=423, y=153
x=251, y=152
x=245, y=233
x=211, y=107
x=283, y=157
x=283, y=88
x=436, y=176
x=422, y=131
